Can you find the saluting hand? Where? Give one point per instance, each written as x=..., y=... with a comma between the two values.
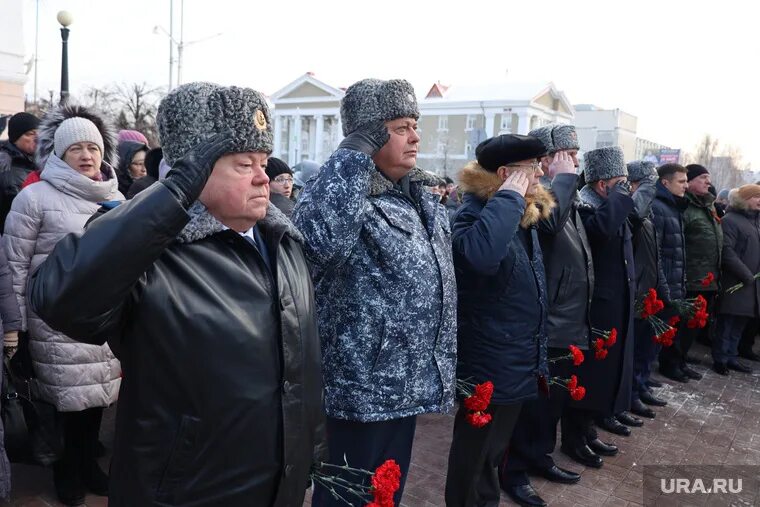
x=517, y=182
x=561, y=163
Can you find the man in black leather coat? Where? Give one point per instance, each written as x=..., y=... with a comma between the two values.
x=211, y=312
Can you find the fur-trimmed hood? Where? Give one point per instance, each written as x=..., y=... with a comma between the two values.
x=484, y=184
x=203, y=224
x=53, y=119
x=379, y=184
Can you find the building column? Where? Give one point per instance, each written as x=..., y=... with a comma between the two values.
x=319, y=140
x=296, y=150
x=277, y=136
x=523, y=123
x=312, y=138
x=490, y=117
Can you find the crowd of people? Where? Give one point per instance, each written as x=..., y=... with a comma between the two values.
x=268, y=329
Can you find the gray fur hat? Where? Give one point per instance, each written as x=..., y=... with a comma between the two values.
x=194, y=112
x=373, y=99
x=604, y=163
x=556, y=137
x=640, y=169
x=55, y=118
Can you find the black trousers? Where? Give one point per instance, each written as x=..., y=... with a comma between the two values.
x=751, y=330
x=472, y=479
x=80, y=436
x=535, y=435
x=366, y=446
x=644, y=353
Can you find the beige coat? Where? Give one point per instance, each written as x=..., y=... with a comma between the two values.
x=71, y=375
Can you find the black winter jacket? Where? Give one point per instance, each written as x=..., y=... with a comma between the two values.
x=646, y=248
x=667, y=212
x=741, y=260
x=221, y=397
x=569, y=267
x=15, y=166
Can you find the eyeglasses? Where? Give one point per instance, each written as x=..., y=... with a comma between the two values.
x=535, y=166
x=283, y=180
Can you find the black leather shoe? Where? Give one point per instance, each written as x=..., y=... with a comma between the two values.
x=691, y=373
x=676, y=375
x=638, y=408
x=603, y=448
x=720, y=369
x=737, y=366
x=613, y=426
x=653, y=383
x=748, y=354
x=648, y=398
x=559, y=475
x=629, y=420
x=524, y=495
x=583, y=455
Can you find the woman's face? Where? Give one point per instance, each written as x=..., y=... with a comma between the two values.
x=282, y=184
x=137, y=166
x=85, y=158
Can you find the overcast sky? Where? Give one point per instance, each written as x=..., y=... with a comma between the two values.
x=683, y=68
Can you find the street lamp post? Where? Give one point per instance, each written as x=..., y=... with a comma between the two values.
x=65, y=19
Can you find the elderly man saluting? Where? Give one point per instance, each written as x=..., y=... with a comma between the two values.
x=380, y=251
x=211, y=310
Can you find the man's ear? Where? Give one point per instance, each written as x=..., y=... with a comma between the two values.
x=503, y=172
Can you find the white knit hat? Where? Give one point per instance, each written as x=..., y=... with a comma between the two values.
x=76, y=130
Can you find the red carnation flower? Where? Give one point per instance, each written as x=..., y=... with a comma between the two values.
x=674, y=320
x=578, y=393
x=600, y=354
x=707, y=280
x=577, y=355
x=480, y=398
x=611, y=338
x=573, y=382
x=385, y=482
x=478, y=419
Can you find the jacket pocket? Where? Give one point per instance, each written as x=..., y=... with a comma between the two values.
x=183, y=448
x=396, y=222
x=560, y=292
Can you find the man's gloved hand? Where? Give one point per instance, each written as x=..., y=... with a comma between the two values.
x=368, y=138
x=190, y=173
x=621, y=187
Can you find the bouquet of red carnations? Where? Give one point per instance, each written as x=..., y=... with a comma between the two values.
x=477, y=399
x=384, y=482
x=647, y=308
x=694, y=309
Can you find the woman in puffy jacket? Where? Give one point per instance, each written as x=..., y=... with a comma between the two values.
x=77, y=152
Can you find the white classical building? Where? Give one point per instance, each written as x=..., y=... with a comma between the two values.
x=306, y=120
x=455, y=119
x=12, y=74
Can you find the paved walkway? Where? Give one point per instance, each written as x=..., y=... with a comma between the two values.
x=713, y=421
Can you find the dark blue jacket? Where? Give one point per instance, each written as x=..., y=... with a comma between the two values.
x=502, y=297
x=667, y=211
